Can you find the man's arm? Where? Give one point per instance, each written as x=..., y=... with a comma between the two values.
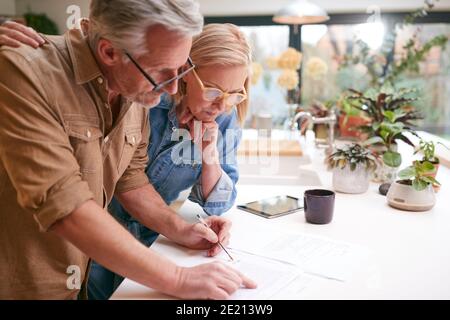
x=115, y=248
x=147, y=206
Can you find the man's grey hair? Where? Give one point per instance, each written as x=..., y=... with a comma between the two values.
x=125, y=22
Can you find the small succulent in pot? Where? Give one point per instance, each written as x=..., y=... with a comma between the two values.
x=418, y=175
x=352, y=155
x=352, y=166
x=428, y=148
x=414, y=192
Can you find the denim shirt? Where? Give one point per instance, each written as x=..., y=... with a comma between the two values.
x=175, y=162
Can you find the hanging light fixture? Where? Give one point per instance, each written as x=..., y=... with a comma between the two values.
x=298, y=12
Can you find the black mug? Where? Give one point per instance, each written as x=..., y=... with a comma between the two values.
x=318, y=206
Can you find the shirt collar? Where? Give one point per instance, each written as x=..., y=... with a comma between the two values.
x=85, y=66
x=168, y=103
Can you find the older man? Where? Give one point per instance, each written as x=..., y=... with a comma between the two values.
x=73, y=133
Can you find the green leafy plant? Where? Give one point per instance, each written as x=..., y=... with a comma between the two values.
x=372, y=62
x=414, y=55
x=418, y=175
x=392, y=117
x=348, y=108
x=352, y=155
x=381, y=66
x=348, y=105
x=428, y=149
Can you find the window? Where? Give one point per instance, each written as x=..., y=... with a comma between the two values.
x=328, y=43
x=433, y=79
x=266, y=96
x=322, y=79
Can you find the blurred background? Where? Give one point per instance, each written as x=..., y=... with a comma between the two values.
x=356, y=46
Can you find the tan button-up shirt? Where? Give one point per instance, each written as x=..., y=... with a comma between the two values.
x=59, y=147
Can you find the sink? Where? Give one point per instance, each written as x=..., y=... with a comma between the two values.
x=276, y=171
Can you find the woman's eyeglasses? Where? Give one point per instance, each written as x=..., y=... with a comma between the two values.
x=156, y=86
x=212, y=94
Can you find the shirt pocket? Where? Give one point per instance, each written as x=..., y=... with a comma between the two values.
x=86, y=143
x=131, y=140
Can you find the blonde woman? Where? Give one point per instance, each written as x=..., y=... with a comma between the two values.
x=194, y=136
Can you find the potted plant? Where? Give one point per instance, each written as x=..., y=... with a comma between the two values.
x=352, y=166
x=391, y=117
x=351, y=118
x=428, y=148
x=414, y=192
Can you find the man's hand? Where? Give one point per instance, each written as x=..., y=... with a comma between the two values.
x=14, y=34
x=197, y=236
x=210, y=281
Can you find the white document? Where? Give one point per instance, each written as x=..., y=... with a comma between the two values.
x=271, y=276
x=315, y=255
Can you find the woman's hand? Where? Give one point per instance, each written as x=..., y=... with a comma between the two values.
x=200, y=131
x=14, y=34
x=205, y=135
x=210, y=132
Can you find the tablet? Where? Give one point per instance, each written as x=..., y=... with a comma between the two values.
x=273, y=207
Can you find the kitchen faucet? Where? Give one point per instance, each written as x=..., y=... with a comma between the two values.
x=330, y=120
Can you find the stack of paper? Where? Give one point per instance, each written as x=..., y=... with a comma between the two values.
x=315, y=255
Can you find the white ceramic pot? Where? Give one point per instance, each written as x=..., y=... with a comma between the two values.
x=347, y=181
x=404, y=197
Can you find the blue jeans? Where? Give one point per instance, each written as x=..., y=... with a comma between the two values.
x=102, y=282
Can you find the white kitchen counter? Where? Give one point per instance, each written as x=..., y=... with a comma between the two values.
x=409, y=253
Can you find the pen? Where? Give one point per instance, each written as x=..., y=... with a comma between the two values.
x=218, y=242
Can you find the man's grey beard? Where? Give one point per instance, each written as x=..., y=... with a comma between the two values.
x=146, y=106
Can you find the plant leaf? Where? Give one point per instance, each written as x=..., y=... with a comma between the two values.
x=419, y=184
x=407, y=173
x=431, y=180
x=390, y=115
x=427, y=167
x=404, y=139
x=392, y=159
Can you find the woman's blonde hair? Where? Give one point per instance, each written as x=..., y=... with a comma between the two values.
x=224, y=45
